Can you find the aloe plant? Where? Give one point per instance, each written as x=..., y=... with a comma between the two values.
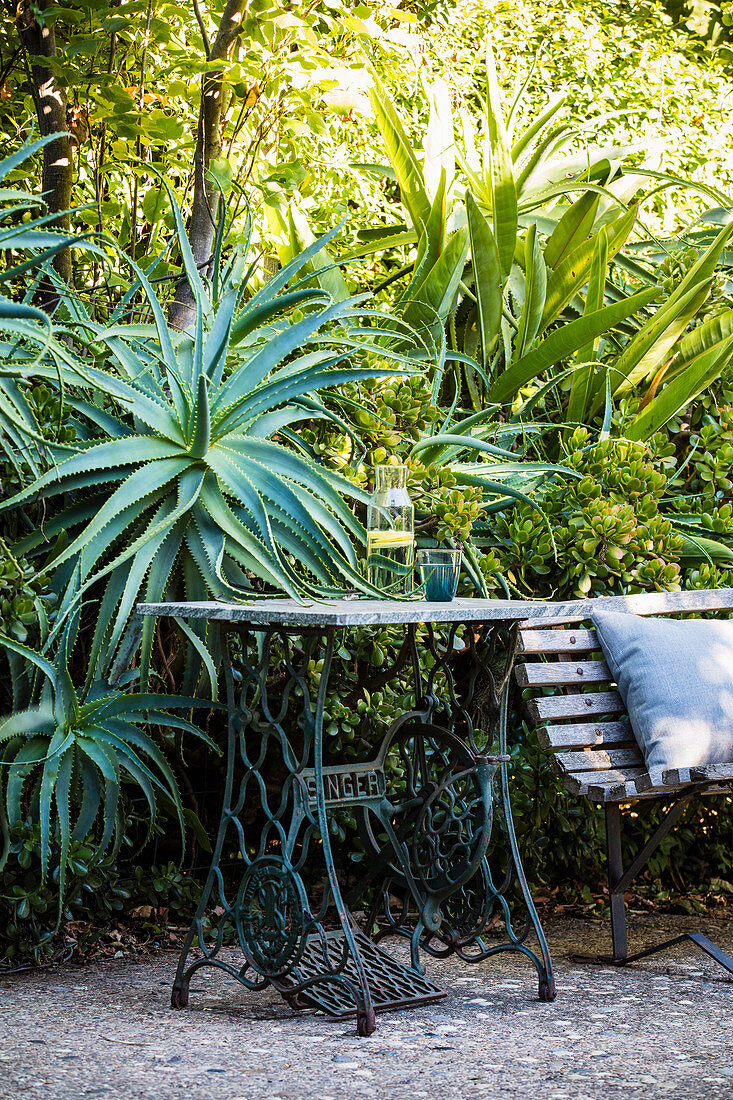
x=25, y=330
x=515, y=180
x=195, y=484
x=518, y=272
x=68, y=756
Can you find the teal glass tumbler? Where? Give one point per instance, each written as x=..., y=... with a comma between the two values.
x=439, y=573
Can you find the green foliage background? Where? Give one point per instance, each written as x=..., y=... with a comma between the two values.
x=299, y=138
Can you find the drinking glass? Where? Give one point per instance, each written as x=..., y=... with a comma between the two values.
x=439, y=573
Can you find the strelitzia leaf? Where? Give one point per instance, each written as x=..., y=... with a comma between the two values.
x=488, y=283
x=684, y=388
x=571, y=272
x=572, y=229
x=535, y=290
x=412, y=186
x=439, y=159
x=582, y=381
x=563, y=342
x=431, y=241
x=503, y=187
x=655, y=340
x=712, y=334
x=432, y=300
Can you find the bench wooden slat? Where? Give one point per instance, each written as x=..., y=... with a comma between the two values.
x=628, y=784
x=641, y=603
x=579, y=735
x=558, y=641
x=558, y=673
x=644, y=788
x=598, y=760
x=581, y=782
x=575, y=706
x=623, y=790
x=708, y=773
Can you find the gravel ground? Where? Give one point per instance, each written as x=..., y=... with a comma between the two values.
x=661, y=1028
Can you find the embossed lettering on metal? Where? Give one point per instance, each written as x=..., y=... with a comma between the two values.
x=357, y=784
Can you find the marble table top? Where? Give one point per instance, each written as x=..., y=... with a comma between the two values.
x=363, y=612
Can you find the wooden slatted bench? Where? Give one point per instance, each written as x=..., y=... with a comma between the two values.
x=582, y=723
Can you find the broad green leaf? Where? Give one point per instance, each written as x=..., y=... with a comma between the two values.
x=504, y=192
x=445, y=440
x=432, y=240
x=318, y=479
x=486, y=275
x=532, y=180
x=595, y=295
x=190, y=266
x=326, y=272
x=435, y=296
x=247, y=377
x=572, y=272
x=535, y=288
x=287, y=273
x=697, y=547
x=572, y=229
x=563, y=342
x=47, y=667
x=653, y=343
x=697, y=376
x=203, y=653
x=439, y=159
x=381, y=241
x=92, y=797
x=711, y=334
x=703, y=269
x=402, y=156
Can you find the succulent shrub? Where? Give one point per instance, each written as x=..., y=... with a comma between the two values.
x=100, y=891
x=606, y=534
x=24, y=595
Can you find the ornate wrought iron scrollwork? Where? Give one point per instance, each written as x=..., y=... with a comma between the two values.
x=464, y=694
x=432, y=830
x=426, y=806
x=271, y=916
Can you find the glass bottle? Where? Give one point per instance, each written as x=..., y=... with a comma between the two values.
x=391, y=533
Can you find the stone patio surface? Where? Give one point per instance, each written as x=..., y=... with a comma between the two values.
x=661, y=1028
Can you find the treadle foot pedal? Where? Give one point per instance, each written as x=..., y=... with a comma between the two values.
x=391, y=984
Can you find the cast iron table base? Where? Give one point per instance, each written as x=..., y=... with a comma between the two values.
x=425, y=806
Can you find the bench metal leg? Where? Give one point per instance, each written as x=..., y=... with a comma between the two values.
x=615, y=874
x=619, y=881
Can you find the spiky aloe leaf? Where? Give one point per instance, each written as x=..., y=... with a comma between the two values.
x=77, y=749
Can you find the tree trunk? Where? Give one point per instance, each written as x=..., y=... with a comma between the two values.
x=39, y=42
x=205, y=208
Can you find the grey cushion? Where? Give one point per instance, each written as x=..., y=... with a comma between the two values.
x=676, y=679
